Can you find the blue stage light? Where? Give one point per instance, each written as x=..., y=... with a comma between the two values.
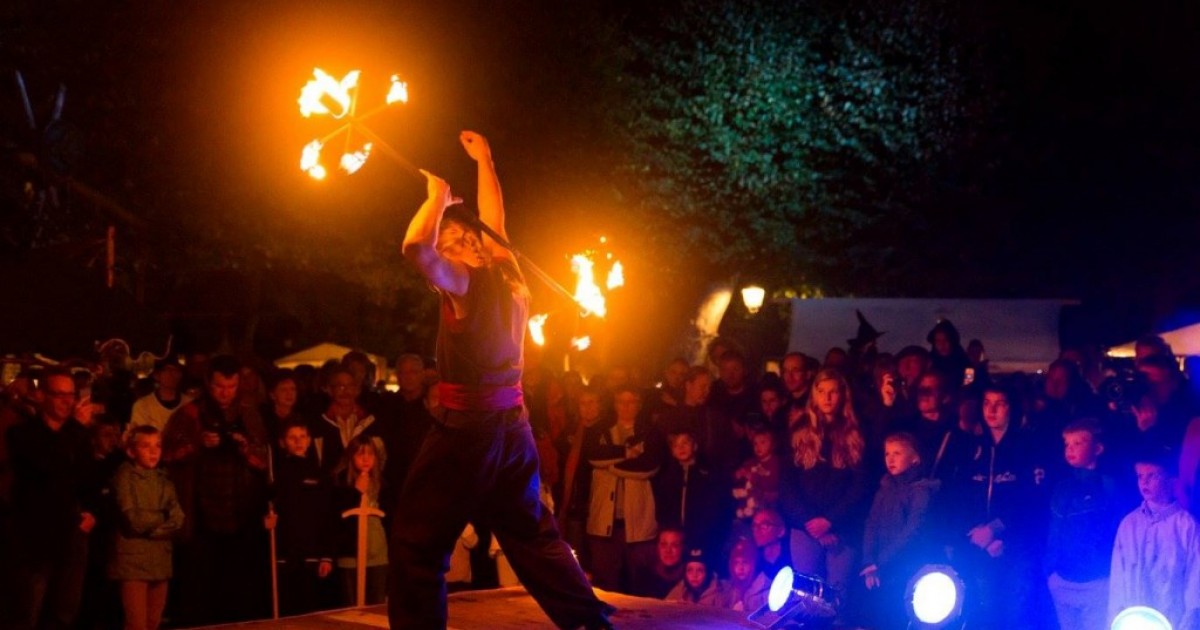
x=796, y=598
x=1140, y=618
x=934, y=598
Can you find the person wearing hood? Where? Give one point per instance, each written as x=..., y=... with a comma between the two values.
x=946, y=351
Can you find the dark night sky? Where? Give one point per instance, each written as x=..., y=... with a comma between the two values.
x=1084, y=185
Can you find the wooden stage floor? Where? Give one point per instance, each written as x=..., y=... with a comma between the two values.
x=513, y=608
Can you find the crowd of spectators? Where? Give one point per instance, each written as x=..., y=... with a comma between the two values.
x=1059, y=497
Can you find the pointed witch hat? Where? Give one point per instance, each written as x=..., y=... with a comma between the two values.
x=866, y=333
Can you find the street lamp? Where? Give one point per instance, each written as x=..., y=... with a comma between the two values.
x=753, y=296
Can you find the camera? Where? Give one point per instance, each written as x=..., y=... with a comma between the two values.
x=1123, y=388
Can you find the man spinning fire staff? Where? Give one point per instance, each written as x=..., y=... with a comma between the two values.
x=479, y=460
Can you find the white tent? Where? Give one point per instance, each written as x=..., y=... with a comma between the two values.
x=1184, y=341
x=322, y=352
x=1016, y=334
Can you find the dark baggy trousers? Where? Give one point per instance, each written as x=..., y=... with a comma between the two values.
x=480, y=465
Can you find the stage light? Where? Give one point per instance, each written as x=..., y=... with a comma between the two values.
x=795, y=597
x=1140, y=618
x=934, y=598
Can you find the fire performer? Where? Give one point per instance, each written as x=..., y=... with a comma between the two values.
x=479, y=460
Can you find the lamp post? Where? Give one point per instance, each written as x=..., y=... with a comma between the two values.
x=753, y=296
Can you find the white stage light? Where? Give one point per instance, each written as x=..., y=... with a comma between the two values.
x=1140, y=618
x=797, y=598
x=934, y=598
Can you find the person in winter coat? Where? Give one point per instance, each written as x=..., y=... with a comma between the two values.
x=699, y=584
x=746, y=589
x=150, y=515
x=894, y=540
x=621, y=518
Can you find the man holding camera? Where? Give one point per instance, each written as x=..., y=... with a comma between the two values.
x=215, y=450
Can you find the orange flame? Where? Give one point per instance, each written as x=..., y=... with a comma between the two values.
x=537, y=331
x=310, y=160
x=587, y=294
x=581, y=343
x=398, y=91
x=351, y=162
x=616, y=275
x=326, y=95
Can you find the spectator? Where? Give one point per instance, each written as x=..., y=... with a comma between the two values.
x=1156, y=556
x=688, y=496
x=699, y=584
x=797, y=370
x=657, y=579
x=155, y=409
x=149, y=517
x=734, y=395
x=825, y=485
x=280, y=409
x=52, y=512
x=409, y=415
x=756, y=483
x=360, y=480
x=746, y=590
x=767, y=531
x=896, y=536
x=714, y=432
x=946, y=352
x=911, y=363
x=344, y=419
x=216, y=453
x=997, y=505
x=1085, y=508
x=621, y=518
x=304, y=521
x=577, y=476
x=941, y=443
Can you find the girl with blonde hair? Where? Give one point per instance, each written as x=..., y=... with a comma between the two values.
x=824, y=487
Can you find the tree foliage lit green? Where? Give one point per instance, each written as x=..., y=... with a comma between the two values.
x=787, y=139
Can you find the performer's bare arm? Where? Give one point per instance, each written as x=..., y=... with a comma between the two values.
x=491, y=201
x=420, y=242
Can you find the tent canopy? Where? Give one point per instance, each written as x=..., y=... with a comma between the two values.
x=1017, y=335
x=1184, y=342
x=317, y=356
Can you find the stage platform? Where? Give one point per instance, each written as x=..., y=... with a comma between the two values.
x=513, y=609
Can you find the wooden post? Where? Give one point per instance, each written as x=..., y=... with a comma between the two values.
x=274, y=558
x=364, y=512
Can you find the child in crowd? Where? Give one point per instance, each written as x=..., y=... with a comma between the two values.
x=149, y=516
x=1156, y=557
x=757, y=481
x=896, y=528
x=746, y=590
x=304, y=521
x=688, y=496
x=1085, y=507
x=699, y=585
x=360, y=474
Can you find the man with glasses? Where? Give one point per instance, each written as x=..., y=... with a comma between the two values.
x=767, y=531
x=52, y=510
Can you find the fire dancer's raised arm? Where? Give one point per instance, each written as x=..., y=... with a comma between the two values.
x=426, y=241
x=491, y=201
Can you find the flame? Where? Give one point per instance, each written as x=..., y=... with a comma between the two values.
x=581, y=343
x=351, y=162
x=616, y=275
x=326, y=95
x=587, y=294
x=536, y=328
x=398, y=91
x=310, y=160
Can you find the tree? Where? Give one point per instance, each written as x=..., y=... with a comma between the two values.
x=773, y=137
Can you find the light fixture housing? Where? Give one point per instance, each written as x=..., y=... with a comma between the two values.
x=796, y=597
x=752, y=297
x=1140, y=618
x=934, y=598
